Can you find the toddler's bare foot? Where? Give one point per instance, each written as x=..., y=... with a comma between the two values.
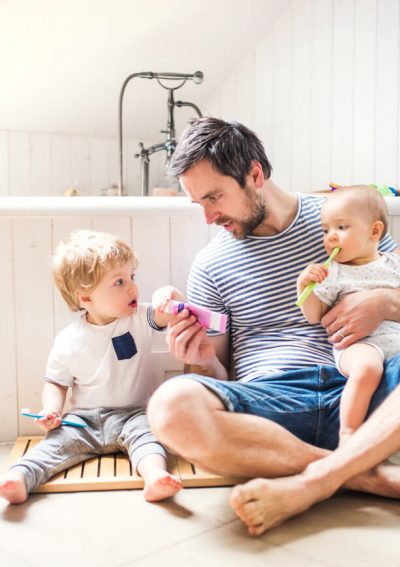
x=160, y=484
x=13, y=489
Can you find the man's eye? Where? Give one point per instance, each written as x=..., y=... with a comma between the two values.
x=133, y=277
x=120, y=281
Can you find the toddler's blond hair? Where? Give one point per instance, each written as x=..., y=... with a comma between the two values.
x=369, y=201
x=82, y=259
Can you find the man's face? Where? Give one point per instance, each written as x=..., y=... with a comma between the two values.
x=240, y=211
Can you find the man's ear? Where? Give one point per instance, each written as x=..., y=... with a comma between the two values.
x=377, y=230
x=257, y=174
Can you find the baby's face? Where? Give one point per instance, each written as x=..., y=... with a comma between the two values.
x=346, y=225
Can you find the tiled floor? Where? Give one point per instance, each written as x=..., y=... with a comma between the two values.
x=197, y=528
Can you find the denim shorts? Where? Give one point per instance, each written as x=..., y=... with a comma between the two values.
x=304, y=401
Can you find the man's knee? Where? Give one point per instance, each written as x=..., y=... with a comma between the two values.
x=172, y=404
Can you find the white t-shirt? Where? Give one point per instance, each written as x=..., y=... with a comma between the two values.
x=85, y=358
x=343, y=279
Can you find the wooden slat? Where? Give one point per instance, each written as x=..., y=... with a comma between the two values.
x=123, y=467
x=107, y=466
x=113, y=472
x=91, y=468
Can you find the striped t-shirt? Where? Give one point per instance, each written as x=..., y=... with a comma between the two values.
x=253, y=281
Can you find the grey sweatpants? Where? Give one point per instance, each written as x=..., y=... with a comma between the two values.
x=108, y=431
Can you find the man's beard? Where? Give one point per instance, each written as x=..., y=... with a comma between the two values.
x=258, y=214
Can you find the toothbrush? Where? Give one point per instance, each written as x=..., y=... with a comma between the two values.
x=308, y=289
x=26, y=413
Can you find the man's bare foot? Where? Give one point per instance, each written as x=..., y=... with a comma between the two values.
x=13, y=489
x=382, y=480
x=160, y=484
x=263, y=504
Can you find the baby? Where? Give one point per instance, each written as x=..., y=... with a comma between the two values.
x=104, y=358
x=354, y=219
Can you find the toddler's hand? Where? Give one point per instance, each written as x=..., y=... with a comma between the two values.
x=313, y=273
x=163, y=295
x=50, y=420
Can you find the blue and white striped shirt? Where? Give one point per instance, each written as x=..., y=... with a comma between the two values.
x=253, y=281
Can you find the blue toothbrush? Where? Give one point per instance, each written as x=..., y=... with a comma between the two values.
x=27, y=413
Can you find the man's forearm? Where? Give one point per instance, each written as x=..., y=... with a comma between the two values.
x=215, y=370
x=391, y=304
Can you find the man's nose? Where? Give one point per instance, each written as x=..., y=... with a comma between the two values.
x=210, y=215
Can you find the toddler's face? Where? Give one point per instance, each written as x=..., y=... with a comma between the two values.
x=115, y=296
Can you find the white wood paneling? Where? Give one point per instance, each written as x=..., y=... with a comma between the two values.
x=188, y=236
x=151, y=242
x=33, y=306
x=282, y=100
x=387, y=94
x=245, y=99
x=364, y=91
x=3, y=163
x=264, y=94
x=342, y=92
x=60, y=165
x=19, y=163
x=301, y=99
x=98, y=165
x=326, y=81
x=80, y=165
x=321, y=94
x=8, y=383
x=40, y=179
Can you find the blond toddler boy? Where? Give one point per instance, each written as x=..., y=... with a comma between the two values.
x=103, y=358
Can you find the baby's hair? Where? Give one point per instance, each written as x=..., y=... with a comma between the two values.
x=82, y=259
x=368, y=199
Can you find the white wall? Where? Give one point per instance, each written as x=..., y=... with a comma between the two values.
x=322, y=91
x=33, y=163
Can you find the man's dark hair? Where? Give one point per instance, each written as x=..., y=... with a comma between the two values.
x=230, y=148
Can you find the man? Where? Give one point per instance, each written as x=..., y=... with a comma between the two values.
x=280, y=416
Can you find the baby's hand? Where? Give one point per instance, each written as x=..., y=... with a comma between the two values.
x=50, y=420
x=163, y=295
x=313, y=273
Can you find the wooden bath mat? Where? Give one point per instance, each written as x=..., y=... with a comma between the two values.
x=114, y=472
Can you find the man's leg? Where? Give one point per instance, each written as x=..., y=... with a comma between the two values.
x=191, y=420
x=263, y=504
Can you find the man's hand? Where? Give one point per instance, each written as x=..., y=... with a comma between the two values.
x=188, y=342
x=356, y=316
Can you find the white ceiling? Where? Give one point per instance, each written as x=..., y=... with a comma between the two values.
x=63, y=62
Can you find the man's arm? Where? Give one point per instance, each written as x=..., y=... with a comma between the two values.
x=358, y=314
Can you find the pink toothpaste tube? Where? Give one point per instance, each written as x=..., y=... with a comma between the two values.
x=206, y=318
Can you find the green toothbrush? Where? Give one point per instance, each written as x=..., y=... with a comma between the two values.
x=307, y=290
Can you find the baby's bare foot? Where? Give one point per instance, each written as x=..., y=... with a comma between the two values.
x=160, y=484
x=13, y=489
